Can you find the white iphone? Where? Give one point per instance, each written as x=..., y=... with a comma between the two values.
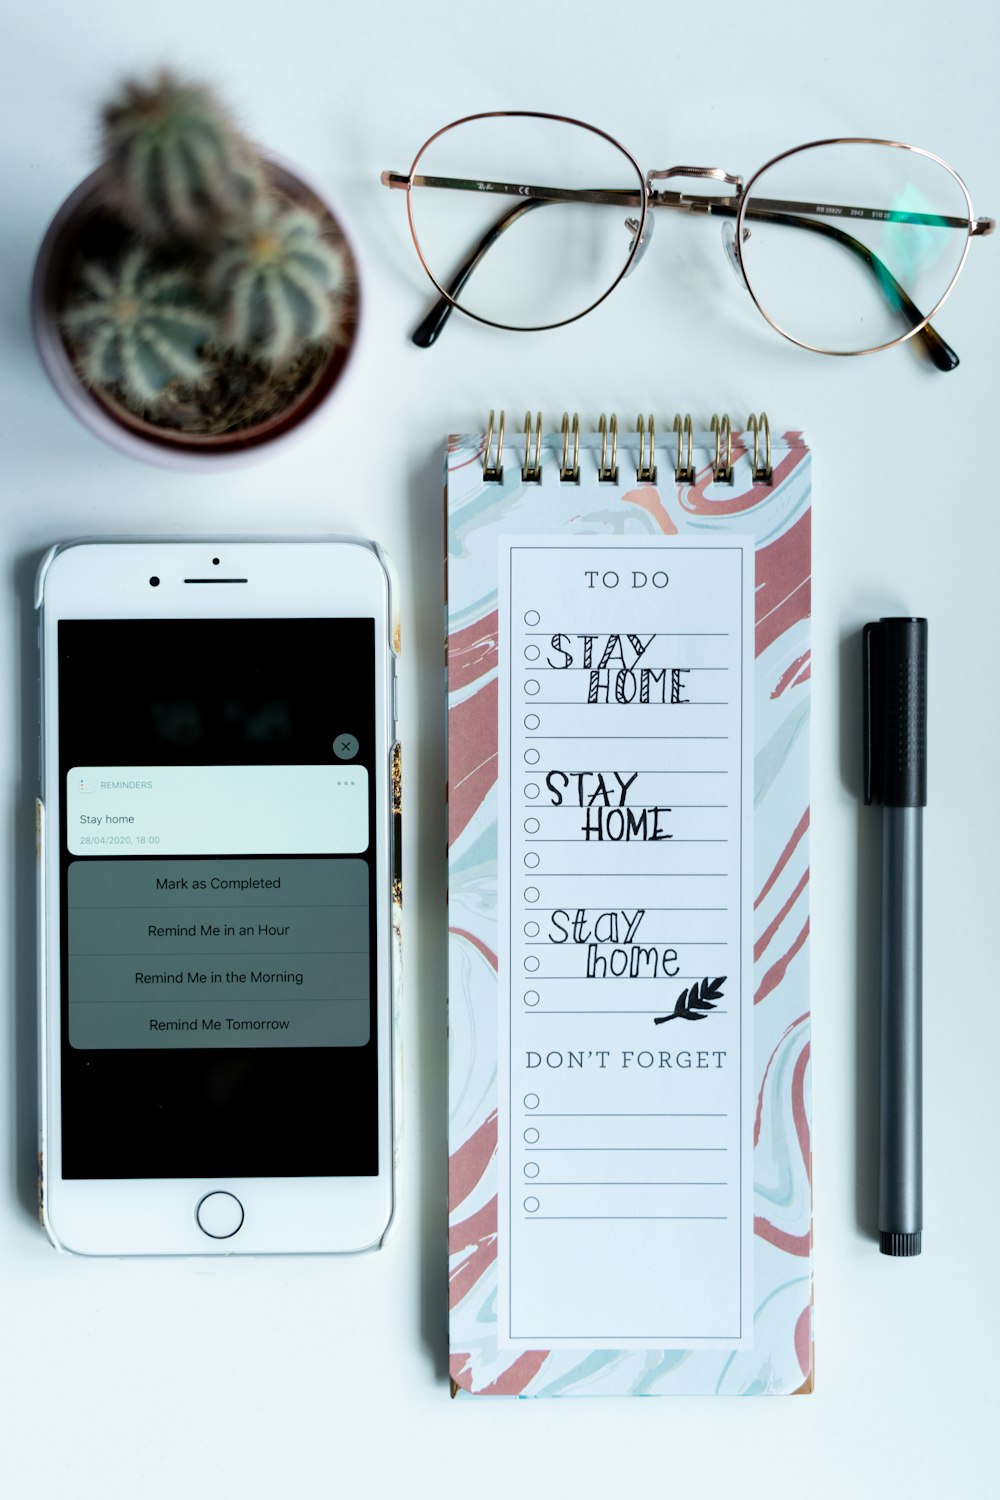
x=217, y=816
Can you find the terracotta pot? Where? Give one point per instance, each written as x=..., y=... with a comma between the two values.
x=115, y=423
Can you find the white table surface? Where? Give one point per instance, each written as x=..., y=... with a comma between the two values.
x=316, y=1376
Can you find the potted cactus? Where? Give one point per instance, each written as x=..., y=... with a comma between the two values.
x=193, y=300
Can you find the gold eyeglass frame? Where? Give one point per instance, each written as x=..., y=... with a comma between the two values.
x=648, y=197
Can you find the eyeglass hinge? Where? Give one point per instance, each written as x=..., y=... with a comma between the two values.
x=984, y=226
x=395, y=180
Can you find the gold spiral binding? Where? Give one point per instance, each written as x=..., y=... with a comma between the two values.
x=570, y=473
x=607, y=473
x=493, y=473
x=761, y=473
x=531, y=471
x=684, y=470
x=722, y=469
x=646, y=472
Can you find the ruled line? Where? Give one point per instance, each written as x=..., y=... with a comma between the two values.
x=700, y=1218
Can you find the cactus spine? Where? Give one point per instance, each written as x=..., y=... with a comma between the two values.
x=138, y=329
x=176, y=162
x=276, y=280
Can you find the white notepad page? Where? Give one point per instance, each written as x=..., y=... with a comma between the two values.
x=626, y=1000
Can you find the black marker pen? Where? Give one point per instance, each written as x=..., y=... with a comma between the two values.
x=895, y=703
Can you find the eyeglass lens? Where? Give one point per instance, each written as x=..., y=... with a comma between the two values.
x=548, y=258
x=849, y=246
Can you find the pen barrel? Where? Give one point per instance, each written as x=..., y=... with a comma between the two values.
x=900, y=1215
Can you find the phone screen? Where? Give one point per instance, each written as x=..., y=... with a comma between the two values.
x=218, y=874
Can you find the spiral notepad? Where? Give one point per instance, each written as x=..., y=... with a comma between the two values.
x=628, y=700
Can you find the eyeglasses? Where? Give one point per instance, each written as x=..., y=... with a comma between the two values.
x=829, y=288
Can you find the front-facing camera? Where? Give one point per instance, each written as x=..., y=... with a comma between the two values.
x=154, y=582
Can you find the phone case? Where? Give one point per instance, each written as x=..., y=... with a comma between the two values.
x=394, y=862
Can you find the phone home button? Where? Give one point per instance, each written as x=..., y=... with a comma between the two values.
x=219, y=1215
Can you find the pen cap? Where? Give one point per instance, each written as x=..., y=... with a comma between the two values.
x=895, y=689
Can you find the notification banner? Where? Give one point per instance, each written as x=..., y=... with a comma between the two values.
x=319, y=809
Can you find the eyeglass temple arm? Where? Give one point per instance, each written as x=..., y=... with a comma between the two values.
x=427, y=331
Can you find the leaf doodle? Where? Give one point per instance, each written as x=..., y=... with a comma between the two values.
x=693, y=1004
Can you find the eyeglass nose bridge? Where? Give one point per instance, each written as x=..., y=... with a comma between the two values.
x=689, y=204
x=701, y=203
x=713, y=174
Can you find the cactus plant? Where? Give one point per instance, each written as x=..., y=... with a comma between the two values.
x=176, y=163
x=138, y=329
x=276, y=280
x=205, y=290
